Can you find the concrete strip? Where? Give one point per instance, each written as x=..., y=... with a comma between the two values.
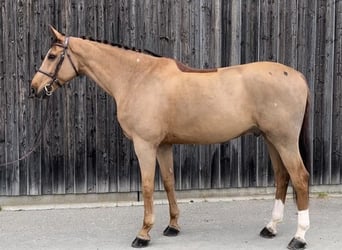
x=69, y=201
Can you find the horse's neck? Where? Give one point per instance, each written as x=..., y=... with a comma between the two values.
x=115, y=70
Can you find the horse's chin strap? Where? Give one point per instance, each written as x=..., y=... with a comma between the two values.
x=54, y=80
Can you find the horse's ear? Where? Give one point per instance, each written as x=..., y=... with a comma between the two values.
x=58, y=36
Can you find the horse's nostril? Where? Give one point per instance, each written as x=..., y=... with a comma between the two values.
x=33, y=92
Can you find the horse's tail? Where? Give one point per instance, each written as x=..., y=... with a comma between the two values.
x=304, y=140
x=305, y=136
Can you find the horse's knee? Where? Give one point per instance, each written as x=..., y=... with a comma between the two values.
x=169, y=186
x=147, y=190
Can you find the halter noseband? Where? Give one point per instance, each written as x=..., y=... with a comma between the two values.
x=54, y=79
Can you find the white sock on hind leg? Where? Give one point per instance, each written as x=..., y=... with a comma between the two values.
x=303, y=224
x=277, y=216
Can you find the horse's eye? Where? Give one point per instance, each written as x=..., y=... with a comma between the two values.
x=51, y=56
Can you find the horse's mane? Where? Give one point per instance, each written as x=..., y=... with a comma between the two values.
x=145, y=51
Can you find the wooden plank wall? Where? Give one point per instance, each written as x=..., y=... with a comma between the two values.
x=83, y=149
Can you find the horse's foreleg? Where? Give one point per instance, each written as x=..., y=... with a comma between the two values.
x=281, y=179
x=165, y=160
x=146, y=154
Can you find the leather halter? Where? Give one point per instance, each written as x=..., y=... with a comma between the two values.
x=54, y=78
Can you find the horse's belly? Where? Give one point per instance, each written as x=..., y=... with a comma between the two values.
x=207, y=132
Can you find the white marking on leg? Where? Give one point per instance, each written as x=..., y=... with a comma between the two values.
x=277, y=216
x=303, y=224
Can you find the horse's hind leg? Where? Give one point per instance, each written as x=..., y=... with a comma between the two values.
x=165, y=160
x=300, y=181
x=288, y=151
x=281, y=179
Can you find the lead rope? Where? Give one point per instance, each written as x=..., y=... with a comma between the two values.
x=36, y=142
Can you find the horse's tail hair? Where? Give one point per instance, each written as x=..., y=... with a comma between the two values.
x=305, y=137
x=304, y=140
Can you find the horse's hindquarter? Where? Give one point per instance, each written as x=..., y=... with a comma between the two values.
x=279, y=94
x=216, y=107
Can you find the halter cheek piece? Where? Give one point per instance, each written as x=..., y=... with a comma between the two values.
x=54, y=79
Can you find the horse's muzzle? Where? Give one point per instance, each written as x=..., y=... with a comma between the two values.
x=32, y=93
x=42, y=94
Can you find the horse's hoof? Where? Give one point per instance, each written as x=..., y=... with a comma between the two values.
x=266, y=233
x=140, y=243
x=296, y=244
x=171, y=231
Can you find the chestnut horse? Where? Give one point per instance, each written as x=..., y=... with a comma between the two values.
x=161, y=102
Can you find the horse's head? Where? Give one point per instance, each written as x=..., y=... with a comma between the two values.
x=58, y=67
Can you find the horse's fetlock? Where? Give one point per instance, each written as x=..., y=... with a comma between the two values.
x=148, y=224
x=303, y=223
x=278, y=211
x=174, y=216
x=304, y=227
x=174, y=213
x=277, y=218
x=149, y=221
